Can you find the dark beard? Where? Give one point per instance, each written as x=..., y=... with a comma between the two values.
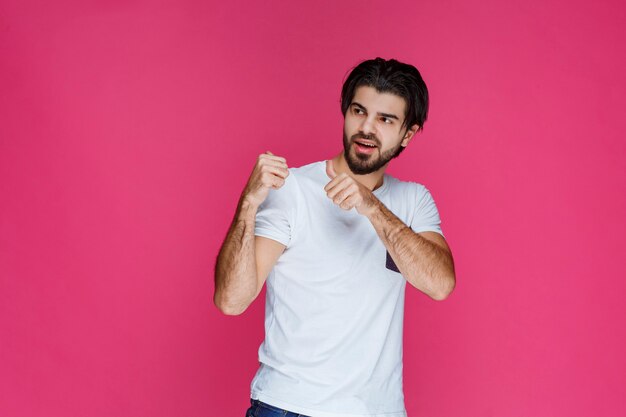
x=362, y=164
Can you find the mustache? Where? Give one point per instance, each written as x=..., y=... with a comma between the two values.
x=367, y=137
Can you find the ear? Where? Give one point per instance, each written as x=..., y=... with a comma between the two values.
x=409, y=135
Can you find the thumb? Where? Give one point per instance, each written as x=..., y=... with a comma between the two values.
x=330, y=170
x=269, y=153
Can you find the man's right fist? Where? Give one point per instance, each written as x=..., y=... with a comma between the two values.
x=270, y=171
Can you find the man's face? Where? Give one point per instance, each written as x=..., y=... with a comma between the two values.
x=374, y=119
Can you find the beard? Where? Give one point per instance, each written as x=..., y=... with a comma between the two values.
x=362, y=164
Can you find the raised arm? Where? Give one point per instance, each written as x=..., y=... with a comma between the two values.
x=245, y=260
x=424, y=259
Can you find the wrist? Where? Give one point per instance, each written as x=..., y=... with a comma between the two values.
x=247, y=205
x=373, y=208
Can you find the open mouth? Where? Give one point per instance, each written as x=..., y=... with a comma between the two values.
x=365, y=144
x=364, y=147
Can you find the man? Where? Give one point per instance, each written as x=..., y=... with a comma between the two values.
x=336, y=241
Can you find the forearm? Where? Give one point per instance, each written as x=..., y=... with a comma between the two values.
x=425, y=265
x=235, y=270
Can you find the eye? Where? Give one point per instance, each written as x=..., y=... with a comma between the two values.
x=358, y=111
x=387, y=120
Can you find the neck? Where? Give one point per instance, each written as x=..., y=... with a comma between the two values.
x=372, y=181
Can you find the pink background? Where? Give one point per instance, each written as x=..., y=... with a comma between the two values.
x=128, y=129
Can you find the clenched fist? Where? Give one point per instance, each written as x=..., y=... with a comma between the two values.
x=348, y=193
x=270, y=171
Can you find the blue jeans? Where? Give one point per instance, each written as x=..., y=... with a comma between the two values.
x=261, y=409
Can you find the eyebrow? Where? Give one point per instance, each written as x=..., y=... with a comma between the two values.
x=391, y=116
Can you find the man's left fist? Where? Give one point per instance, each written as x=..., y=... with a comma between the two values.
x=348, y=193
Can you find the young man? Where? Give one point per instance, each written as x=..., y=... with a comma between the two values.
x=337, y=241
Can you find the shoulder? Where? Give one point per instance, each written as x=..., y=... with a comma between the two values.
x=296, y=184
x=410, y=190
x=306, y=170
x=311, y=174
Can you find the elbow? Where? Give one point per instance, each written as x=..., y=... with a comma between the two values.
x=446, y=290
x=228, y=308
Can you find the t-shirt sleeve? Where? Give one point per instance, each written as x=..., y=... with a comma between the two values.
x=425, y=215
x=274, y=218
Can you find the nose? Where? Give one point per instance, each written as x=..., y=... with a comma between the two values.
x=368, y=127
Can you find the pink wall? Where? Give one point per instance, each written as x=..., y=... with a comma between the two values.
x=128, y=129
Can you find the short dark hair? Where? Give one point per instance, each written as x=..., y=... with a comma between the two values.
x=390, y=76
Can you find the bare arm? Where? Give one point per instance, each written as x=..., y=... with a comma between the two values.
x=424, y=259
x=245, y=260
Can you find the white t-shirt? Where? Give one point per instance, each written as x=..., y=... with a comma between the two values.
x=334, y=310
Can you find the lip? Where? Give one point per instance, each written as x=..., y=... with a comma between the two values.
x=366, y=142
x=363, y=149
